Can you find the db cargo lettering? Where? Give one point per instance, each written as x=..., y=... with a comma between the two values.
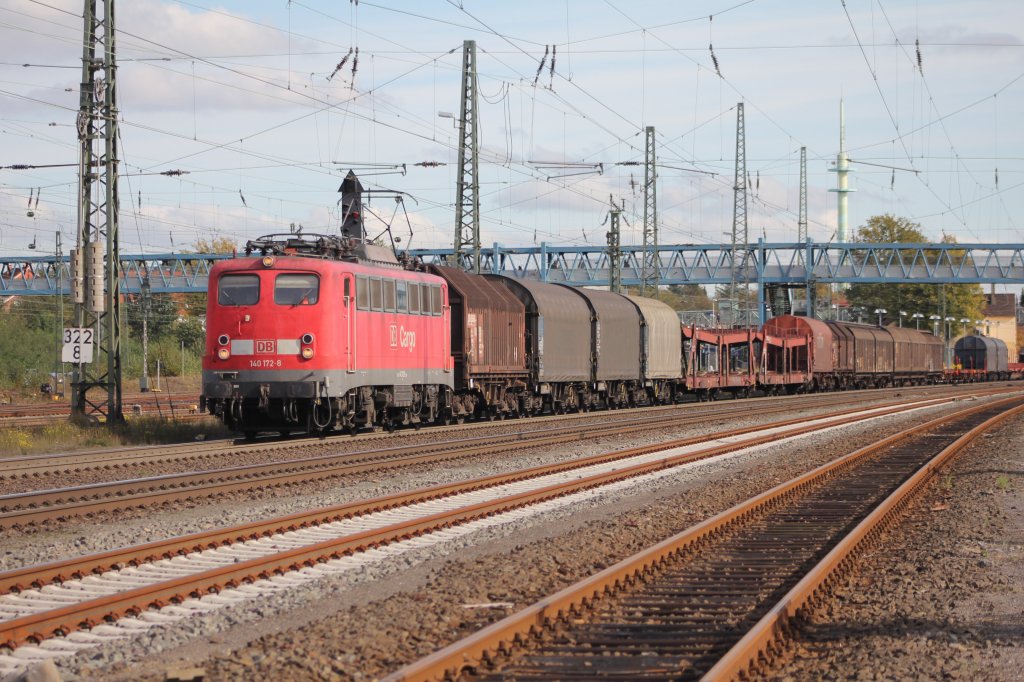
x=400, y=336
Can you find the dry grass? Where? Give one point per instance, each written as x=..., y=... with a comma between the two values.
x=65, y=436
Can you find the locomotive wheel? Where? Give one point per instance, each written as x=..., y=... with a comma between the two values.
x=284, y=433
x=249, y=436
x=389, y=425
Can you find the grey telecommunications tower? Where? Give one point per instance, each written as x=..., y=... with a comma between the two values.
x=95, y=262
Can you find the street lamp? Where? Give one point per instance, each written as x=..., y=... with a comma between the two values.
x=963, y=321
x=902, y=315
x=880, y=312
x=935, y=323
x=916, y=317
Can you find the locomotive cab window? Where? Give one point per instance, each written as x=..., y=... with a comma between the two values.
x=238, y=290
x=362, y=293
x=296, y=289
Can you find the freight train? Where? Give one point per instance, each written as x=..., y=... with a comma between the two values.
x=322, y=333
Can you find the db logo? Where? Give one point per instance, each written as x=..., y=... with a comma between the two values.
x=393, y=333
x=265, y=346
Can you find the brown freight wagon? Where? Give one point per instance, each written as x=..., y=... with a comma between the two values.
x=488, y=343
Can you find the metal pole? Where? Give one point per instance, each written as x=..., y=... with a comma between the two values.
x=99, y=309
x=739, y=210
x=801, y=224
x=58, y=369
x=614, y=249
x=146, y=305
x=650, y=271
x=467, y=200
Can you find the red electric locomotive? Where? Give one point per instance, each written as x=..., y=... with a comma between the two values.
x=314, y=333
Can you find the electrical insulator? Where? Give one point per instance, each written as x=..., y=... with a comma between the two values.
x=95, y=254
x=77, y=276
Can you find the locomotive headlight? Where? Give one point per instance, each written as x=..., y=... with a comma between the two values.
x=307, y=345
x=268, y=261
x=223, y=353
x=223, y=339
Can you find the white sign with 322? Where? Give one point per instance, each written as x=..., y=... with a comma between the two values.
x=78, y=344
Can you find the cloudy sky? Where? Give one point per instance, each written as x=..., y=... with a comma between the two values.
x=248, y=100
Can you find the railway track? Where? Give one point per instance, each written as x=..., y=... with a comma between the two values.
x=28, y=508
x=177, y=406
x=64, y=597
x=36, y=467
x=719, y=600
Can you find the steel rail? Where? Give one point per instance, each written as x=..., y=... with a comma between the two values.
x=766, y=636
x=14, y=467
x=38, y=575
x=34, y=465
x=30, y=465
x=481, y=647
x=40, y=626
x=22, y=509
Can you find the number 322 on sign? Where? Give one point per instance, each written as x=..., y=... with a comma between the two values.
x=78, y=344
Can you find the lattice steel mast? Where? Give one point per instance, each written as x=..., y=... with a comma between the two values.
x=650, y=275
x=739, y=208
x=801, y=224
x=96, y=286
x=467, y=200
x=614, y=247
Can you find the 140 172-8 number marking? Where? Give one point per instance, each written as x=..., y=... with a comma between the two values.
x=259, y=364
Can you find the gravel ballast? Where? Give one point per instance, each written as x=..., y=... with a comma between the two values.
x=408, y=606
x=942, y=596
x=110, y=530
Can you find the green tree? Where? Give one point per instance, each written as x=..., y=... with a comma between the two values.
x=189, y=330
x=28, y=344
x=678, y=296
x=163, y=312
x=946, y=300
x=195, y=304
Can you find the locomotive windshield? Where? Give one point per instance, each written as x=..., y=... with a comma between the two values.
x=238, y=290
x=296, y=289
